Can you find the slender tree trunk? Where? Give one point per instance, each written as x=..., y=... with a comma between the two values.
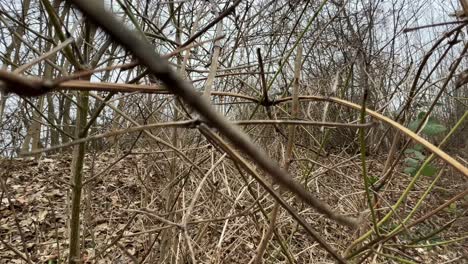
x=79, y=152
x=32, y=138
x=77, y=178
x=14, y=46
x=36, y=126
x=54, y=135
x=66, y=119
x=214, y=61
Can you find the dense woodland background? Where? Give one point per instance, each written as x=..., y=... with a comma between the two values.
x=104, y=158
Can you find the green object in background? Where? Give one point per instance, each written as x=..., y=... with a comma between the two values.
x=431, y=128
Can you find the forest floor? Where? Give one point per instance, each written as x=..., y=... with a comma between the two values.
x=118, y=204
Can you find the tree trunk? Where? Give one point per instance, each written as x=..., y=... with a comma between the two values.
x=77, y=178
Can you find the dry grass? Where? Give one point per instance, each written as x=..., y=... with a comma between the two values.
x=128, y=202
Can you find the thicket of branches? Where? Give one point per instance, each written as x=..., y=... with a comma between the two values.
x=263, y=131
